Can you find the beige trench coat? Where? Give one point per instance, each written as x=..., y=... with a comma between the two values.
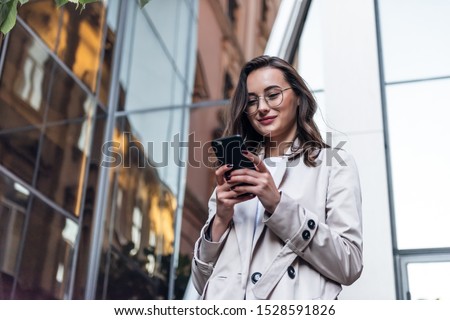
x=307, y=249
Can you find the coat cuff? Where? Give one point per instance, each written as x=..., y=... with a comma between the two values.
x=295, y=225
x=208, y=251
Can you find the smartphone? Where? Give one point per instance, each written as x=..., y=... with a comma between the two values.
x=229, y=149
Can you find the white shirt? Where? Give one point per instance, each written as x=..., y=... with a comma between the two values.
x=272, y=163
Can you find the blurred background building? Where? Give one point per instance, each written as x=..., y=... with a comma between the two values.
x=106, y=117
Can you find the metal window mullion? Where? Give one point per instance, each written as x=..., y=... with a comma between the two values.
x=3, y=53
x=397, y=267
x=103, y=182
x=181, y=173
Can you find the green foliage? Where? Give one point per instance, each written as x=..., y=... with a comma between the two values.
x=8, y=13
x=8, y=10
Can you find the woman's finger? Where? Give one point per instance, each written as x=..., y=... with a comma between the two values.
x=259, y=164
x=220, y=172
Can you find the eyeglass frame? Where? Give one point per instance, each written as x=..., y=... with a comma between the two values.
x=265, y=99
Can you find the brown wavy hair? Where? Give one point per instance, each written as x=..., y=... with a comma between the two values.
x=308, y=135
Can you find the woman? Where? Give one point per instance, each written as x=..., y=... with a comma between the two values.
x=297, y=234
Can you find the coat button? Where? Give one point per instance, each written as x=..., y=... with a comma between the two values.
x=306, y=235
x=311, y=224
x=291, y=272
x=256, y=276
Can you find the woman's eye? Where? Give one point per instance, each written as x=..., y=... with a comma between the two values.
x=252, y=102
x=272, y=95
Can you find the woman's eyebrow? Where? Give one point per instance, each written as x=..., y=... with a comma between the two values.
x=265, y=89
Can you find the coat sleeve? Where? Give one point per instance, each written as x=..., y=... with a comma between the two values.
x=206, y=252
x=334, y=246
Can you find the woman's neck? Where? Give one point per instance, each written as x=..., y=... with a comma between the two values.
x=276, y=149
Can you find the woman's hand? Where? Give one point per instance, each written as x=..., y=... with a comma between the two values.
x=260, y=183
x=226, y=198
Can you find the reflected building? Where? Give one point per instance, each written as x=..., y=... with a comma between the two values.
x=127, y=83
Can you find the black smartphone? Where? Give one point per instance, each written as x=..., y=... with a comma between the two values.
x=229, y=149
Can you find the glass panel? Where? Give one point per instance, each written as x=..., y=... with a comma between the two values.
x=22, y=105
x=140, y=235
x=24, y=81
x=44, y=18
x=63, y=163
x=137, y=262
x=67, y=100
x=147, y=75
x=427, y=280
x=418, y=129
x=187, y=46
x=166, y=24
x=13, y=205
x=158, y=135
x=91, y=196
x=46, y=264
x=80, y=40
x=75, y=34
x=18, y=151
x=108, y=48
x=174, y=29
x=415, y=38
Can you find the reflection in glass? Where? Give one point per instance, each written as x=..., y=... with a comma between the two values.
x=418, y=116
x=429, y=281
x=174, y=28
x=63, y=163
x=147, y=82
x=22, y=105
x=46, y=262
x=75, y=35
x=23, y=81
x=415, y=38
x=66, y=98
x=140, y=236
x=158, y=135
x=18, y=150
x=91, y=195
x=44, y=18
x=13, y=204
x=108, y=51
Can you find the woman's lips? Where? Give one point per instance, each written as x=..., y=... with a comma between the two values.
x=267, y=120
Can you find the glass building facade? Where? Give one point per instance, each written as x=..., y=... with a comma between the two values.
x=408, y=131
x=111, y=80
x=415, y=69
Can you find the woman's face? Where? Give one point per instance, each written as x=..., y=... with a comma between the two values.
x=279, y=123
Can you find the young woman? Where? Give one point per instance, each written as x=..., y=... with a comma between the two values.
x=297, y=234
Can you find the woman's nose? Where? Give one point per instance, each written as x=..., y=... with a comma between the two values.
x=263, y=105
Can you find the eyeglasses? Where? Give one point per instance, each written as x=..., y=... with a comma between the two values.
x=273, y=98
